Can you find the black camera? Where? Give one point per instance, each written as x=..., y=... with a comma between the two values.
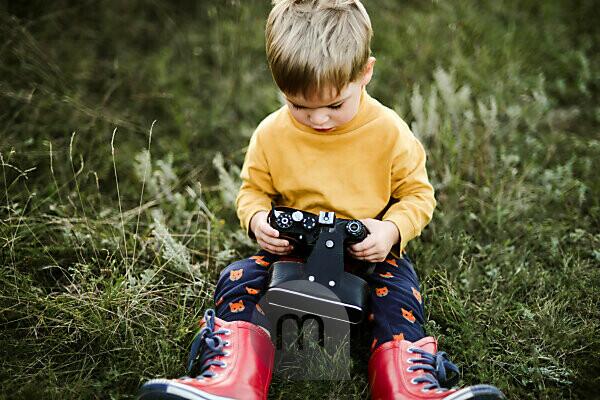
x=303, y=228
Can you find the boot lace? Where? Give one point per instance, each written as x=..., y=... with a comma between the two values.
x=440, y=372
x=205, y=347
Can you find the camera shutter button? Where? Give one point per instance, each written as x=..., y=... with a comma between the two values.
x=297, y=216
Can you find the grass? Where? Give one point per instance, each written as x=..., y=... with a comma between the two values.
x=122, y=130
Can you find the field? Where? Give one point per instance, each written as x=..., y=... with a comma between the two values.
x=123, y=126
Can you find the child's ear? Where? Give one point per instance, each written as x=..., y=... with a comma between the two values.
x=368, y=71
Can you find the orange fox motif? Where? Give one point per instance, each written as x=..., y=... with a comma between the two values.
x=259, y=309
x=408, y=315
x=399, y=337
x=237, y=306
x=417, y=295
x=386, y=275
x=219, y=302
x=259, y=260
x=251, y=290
x=391, y=261
x=374, y=343
x=236, y=274
x=381, y=292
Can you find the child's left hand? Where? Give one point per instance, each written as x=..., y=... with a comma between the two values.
x=383, y=235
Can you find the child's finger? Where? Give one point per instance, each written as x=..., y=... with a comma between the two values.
x=275, y=249
x=364, y=245
x=269, y=230
x=276, y=242
x=359, y=257
x=366, y=257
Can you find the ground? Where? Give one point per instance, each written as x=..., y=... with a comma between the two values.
x=122, y=130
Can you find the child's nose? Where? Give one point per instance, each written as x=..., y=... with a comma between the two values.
x=318, y=117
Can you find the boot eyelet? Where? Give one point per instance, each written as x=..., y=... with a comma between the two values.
x=411, y=350
x=227, y=332
x=424, y=390
x=411, y=360
x=224, y=365
x=227, y=354
x=413, y=381
x=227, y=344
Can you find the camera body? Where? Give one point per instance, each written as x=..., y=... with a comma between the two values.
x=315, y=291
x=303, y=228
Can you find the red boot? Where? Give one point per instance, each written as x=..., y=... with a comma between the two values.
x=402, y=370
x=228, y=361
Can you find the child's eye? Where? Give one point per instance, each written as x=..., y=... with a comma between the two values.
x=332, y=107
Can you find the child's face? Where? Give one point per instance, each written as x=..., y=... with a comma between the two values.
x=326, y=111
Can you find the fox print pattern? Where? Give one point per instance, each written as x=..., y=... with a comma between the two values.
x=417, y=295
x=259, y=260
x=391, y=261
x=251, y=290
x=408, y=315
x=237, y=307
x=236, y=274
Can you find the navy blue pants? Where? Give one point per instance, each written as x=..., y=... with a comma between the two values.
x=396, y=306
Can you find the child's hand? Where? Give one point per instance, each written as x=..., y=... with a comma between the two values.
x=266, y=236
x=375, y=248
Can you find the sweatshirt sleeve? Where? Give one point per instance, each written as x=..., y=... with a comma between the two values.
x=413, y=198
x=257, y=188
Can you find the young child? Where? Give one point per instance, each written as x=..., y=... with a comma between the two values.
x=330, y=147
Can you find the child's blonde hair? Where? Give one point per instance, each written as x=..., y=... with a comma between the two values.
x=317, y=44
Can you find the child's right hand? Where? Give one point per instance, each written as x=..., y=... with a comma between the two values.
x=267, y=236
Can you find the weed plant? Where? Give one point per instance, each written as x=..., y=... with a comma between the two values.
x=123, y=126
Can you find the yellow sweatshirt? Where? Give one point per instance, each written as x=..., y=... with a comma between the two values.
x=371, y=167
